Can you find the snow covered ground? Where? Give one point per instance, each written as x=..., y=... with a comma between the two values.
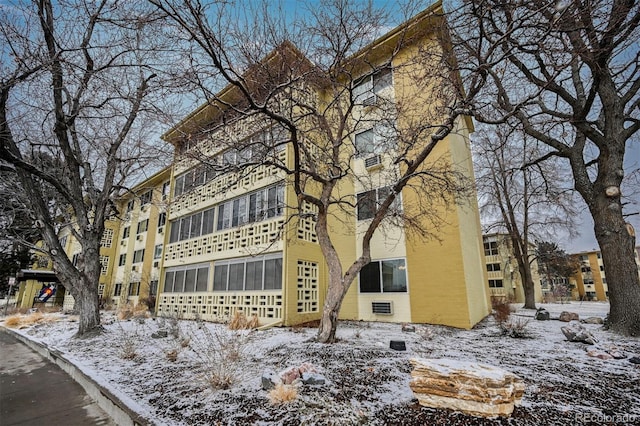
x=368, y=383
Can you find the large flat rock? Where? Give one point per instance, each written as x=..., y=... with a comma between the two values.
x=470, y=387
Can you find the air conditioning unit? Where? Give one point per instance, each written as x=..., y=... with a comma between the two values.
x=371, y=100
x=161, y=230
x=373, y=161
x=382, y=308
x=139, y=237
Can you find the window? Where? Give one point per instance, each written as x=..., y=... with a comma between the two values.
x=122, y=260
x=130, y=205
x=165, y=190
x=248, y=274
x=138, y=256
x=186, y=279
x=157, y=251
x=367, y=89
x=492, y=267
x=74, y=259
x=491, y=248
x=585, y=269
x=599, y=255
x=374, y=141
x=601, y=268
x=192, y=226
x=117, y=290
x=153, y=288
x=134, y=289
x=369, y=202
x=193, y=178
x=125, y=232
x=162, y=219
x=142, y=226
x=146, y=198
x=107, y=238
x=254, y=207
x=588, y=282
x=63, y=241
x=364, y=143
x=495, y=283
x=384, y=276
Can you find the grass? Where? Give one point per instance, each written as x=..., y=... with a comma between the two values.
x=239, y=321
x=283, y=394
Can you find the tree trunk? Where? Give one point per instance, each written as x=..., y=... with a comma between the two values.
x=88, y=306
x=528, y=286
x=333, y=302
x=617, y=246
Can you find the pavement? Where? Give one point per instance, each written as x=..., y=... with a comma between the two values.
x=35, y=391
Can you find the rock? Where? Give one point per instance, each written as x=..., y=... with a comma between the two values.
x=408, y=328
x=569, y=316
x=269, y=380
x=575, y=332
x=592, y=320
x=542, y=315
x=306, y=367
x=160, y=334
x=634, y=360
x=598, y=354
x=398, y=345
x=289, y=375
x=473, y=388
x=313, y=379
x=615, y=352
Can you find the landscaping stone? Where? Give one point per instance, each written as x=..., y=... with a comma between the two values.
x=313, y=379
x=569, y=316
x=575, y=332
x=160, y=334
x=473, y=388
x=269, y=380
x=593, y=320
x=542, y=315
x=408, y=328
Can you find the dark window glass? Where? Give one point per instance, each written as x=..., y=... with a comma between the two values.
x=394, y=277
x=273, y=274
x=203, y=278
x=366, y=205
x=175, y=231
x=220, y=278
x=178, y=284
x=190, y=280
x=168, y=282
x=253, y=280
x=236, y=276
x=370, y=278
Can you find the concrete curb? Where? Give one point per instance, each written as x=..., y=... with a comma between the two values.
x=111, y=404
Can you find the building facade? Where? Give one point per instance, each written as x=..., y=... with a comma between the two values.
x=503, y=275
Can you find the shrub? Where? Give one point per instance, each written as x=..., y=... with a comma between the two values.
x=149, y=302
x=127, y=343
x=515, y=327
x=239, y=321
x=283, y=394
x=501, y=309
x=13, y=321
x=124, y=312
x=172, y=354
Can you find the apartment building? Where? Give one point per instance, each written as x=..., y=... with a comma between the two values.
x=139, y=241
x=238, y=241
x=503, y=276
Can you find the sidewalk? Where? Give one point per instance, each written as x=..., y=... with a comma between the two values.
x=35, y=391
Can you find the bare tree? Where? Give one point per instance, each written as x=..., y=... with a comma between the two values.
x=75, y=87
x=556, y=266
x=528, y=202
x=305, y=94
x=569, y=72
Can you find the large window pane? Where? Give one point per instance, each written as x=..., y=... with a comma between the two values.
x=366, y=205
x=190, y=280
x=236, y=276
x=273, y=274
x=175, y=231
x=272, y=201
x=220, y=216
x=203, y=279
x=370, y=278
x=226, y=217
x=168, y=282
x=365, y=142
x=207, y=221
x=178, y=285
x=394, y=277
x=252, y=207
x=242, y=210
x=220, y=278
x=185, y=225
x=236, y=213
x=196, y=222
x=253, y=280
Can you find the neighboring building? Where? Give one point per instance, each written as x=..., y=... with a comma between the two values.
x=235, y=244
x=591, y=281
x=503, y=274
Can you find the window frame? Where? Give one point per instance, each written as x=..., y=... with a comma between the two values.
x=381, y=276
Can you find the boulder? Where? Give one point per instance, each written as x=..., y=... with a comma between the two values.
x=575, y=332
x=569, y=316
x=592, y=320
x=634, y=360
x=160, y=334
x=542, y=315
x=313, y=379
x=408, y=328
x=269, y=380
x=470, y=387
x=290, y=375
x=599, y=354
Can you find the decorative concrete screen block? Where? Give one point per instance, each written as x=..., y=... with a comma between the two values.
x=307, y=286
x=476, y=389
x=307, y=224
x=267, y=305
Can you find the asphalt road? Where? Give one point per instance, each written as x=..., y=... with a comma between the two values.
x=35, y=391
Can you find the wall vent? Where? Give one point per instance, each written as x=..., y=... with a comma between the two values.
x=372, y=161
x=382, y=308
